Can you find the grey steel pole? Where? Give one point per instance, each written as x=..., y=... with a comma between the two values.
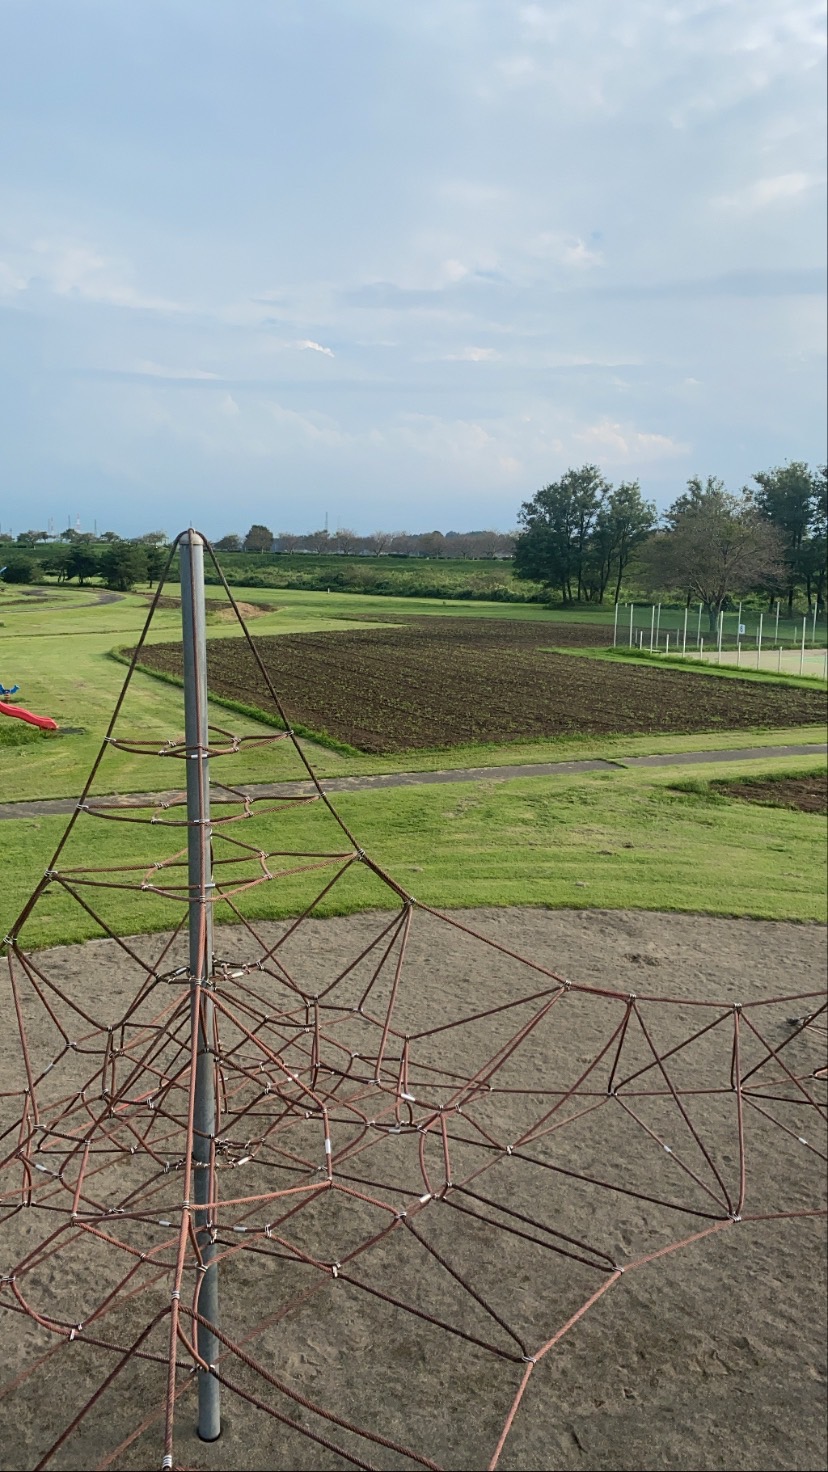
x=200, y=882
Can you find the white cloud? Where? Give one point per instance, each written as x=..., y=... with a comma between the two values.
x=81, y=273
x=565, y=250
x=10, y=280
x=623, y=444
x=316, y=347
x=472, y=355
x=775, y=189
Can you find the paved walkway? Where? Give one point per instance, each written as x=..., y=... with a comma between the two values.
x=50, y=807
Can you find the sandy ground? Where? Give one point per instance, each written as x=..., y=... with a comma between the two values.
x=712, y=1356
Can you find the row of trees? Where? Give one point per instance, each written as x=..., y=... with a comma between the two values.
x=479, y=544
x=580, y=534
x=74, y=538
x=120, y=564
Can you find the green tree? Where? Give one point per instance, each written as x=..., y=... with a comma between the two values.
x=815, y=551
x=28, y=539
x=558, y=523
x=154, y=561
x=81, y=563
x=123, y=564
x=19, y=569
x=258, y=539
x=715, y=546
x=624, y=521
x=56, y=562
x=787, y=496
x=231, y=543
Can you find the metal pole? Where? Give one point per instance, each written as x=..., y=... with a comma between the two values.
x=658, y=623
x=759, y=643
x=698, y=630
x=200, y=884
x=721, y=627
x=615, y=627
x=684, y=638
x=802, y=650
x=813, y=628
x=776, y=631
x=632, y=610
x=652, y=626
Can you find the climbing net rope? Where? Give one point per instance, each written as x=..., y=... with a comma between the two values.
x=434, y=1155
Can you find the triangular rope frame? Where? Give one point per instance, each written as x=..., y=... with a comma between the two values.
x=364, y=1134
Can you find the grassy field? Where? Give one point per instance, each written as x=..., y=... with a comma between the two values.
x=638, y=839
x=599, y=840
x=58, y=652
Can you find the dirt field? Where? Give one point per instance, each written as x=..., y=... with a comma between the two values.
x=806, y=794
x=710, y=1357
x=447, y=681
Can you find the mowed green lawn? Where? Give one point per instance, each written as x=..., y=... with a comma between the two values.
x=58, y=652
x=604, y=840
x=620, y=839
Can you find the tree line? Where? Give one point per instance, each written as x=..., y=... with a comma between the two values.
x=348, y=543
x=119, y=562
x=581, y=537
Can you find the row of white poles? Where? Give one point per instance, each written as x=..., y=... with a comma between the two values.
x=655, y=629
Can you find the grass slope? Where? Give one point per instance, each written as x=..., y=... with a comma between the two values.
x=603, y=840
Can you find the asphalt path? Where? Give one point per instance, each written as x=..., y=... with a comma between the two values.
x=51, y=807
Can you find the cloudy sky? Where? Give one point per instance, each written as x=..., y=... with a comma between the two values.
x=401, y=262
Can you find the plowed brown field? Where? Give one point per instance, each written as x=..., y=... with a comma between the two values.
x=447, y=682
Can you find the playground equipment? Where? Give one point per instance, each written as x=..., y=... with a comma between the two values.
x=240, y=1158
x=44, y=722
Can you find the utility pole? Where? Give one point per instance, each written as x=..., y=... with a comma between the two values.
x=200, y=889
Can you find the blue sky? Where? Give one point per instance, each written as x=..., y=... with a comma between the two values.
x=401, y=262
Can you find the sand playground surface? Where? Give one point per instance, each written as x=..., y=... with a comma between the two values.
x=711, y=1356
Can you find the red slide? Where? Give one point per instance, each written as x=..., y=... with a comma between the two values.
x=44, y=722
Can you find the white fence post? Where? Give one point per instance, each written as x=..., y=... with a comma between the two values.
x=684, y=638
x=632, y=610
x=802, y=650
x=652, y=626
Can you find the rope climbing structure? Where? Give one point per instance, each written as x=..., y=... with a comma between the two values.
x=343, y=1203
